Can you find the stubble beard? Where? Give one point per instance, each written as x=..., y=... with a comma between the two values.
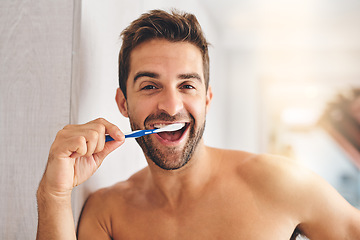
x=171, y=158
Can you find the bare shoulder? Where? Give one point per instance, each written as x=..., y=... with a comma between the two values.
x=120, y=193
x=103, y=205
x=271, y=170
x=279, y=179
x=284, y=184
x=251, y=165
x=269, y=175
x=282, y=180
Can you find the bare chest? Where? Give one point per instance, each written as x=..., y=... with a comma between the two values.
x=219, y=215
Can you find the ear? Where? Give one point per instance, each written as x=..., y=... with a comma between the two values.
x=121, y=102
x=209, y=96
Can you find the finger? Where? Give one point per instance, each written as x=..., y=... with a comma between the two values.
x=94, y=134
x=101, y=140
x=76, y=146
x=108, y=148
x=99, y=136
x=112, y=130
x=102, y=126
x=67, y=143
x=92, y=139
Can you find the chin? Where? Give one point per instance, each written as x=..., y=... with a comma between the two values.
x=172, y=157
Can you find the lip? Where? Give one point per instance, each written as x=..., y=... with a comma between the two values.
x=172, y=143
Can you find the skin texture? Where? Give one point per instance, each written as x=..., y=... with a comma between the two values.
x=216, y=194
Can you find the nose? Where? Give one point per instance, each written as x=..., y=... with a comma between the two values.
x=170, y=102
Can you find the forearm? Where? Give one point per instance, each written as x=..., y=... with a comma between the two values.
x=55, y=218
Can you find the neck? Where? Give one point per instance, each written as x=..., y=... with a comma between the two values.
x=176, y=186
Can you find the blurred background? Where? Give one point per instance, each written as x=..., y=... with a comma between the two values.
x=285, y=77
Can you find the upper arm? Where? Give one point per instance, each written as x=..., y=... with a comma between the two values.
x=94, y=222
x=314, y=205
x=327, y=214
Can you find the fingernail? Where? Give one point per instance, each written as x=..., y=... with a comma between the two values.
x=121, y=137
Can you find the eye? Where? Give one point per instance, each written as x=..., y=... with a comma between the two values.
x=188, y=86
x=148, y=87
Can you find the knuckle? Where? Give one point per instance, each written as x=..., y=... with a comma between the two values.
x=113, y=128
x=99, y=128
x=67, y=131
x=80, y=140
x=60, y=134
x=93, y=135
x=99, y=120
x=69, y=126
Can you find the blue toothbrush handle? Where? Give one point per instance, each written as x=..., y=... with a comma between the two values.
x=108, y=138
x=135, y=134
x=139, y=133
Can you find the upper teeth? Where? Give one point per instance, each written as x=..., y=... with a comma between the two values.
x=160, y=125
x=171, y=125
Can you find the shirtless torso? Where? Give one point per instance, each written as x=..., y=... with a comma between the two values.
x=248, y=197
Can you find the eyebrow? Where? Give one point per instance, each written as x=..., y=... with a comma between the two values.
x=156, y=76
x=145, y=74
x=190, y=76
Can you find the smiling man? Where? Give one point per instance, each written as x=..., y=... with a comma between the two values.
x=188, y=190
x=166, y=85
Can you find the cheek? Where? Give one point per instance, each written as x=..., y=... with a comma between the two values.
x=197, y=108
x=138, y=110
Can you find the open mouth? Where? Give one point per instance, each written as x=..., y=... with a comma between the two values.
x=172, y=136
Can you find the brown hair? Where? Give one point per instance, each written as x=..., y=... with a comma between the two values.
x=158, y=24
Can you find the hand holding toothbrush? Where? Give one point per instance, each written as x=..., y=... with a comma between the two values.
x=77, y=152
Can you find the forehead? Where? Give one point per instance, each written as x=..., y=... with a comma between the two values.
x=166, y=57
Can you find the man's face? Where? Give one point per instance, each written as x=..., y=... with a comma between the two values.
x=166, y=85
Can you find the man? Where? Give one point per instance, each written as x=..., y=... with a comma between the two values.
x=188, y=190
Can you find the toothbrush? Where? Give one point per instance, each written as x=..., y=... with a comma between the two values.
x=139, y=133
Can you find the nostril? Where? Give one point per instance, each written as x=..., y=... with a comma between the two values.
x=171, y=103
